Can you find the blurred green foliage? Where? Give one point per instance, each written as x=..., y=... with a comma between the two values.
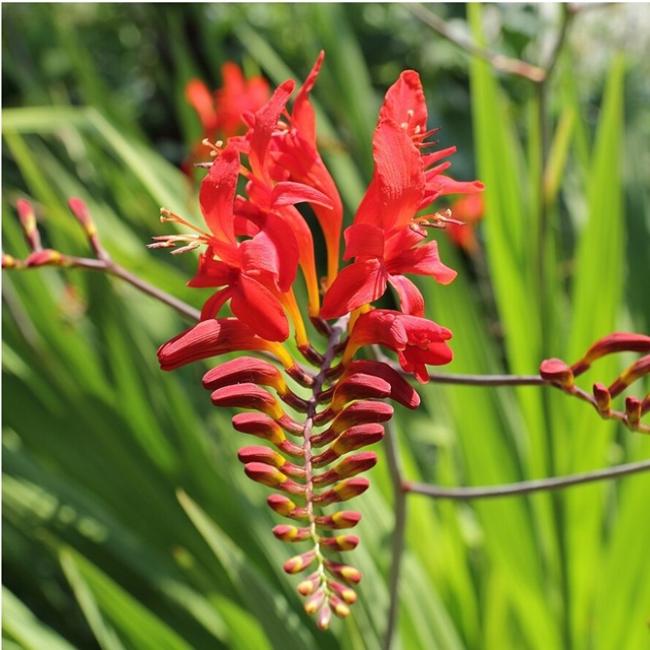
x=127, y=520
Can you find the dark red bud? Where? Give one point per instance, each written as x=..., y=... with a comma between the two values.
x=557, y=372
x=400, y=390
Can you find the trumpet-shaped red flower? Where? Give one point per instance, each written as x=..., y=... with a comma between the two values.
x=418, y=341
x=387, y=237
x=221, y=111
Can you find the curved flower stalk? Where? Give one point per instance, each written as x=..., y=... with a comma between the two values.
x=562, y=375
x=319, y=414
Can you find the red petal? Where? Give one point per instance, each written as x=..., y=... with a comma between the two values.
x=443, y=185
x=217, y=195
x=410, y=298
x=302, y=116
x=201, y=100
x=422, y=260
x=364, y=240
x=212, y=273
x=266, y=120
x=356, y=285
x=289, y=192
x=215, y=303
x=258, y=308
x=405, y=103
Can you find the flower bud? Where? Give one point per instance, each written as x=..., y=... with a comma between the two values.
x=339, y=543
x=244, y=370
x=345, y=593
x=362, y=412
x=264, y=427
x=80, y=211
x=247, y=396
x=343, y=491
x=315, y=601
x=28, y=223
x=344, y=572
x=46, y=257
x=9, y=262
x=338, y=520
x=256, y=454
x=299, y=563
x=355, y=437
x=273, y=477
x=633, y=412
x=557, y=372
x=324, y=617
x=308, y=586
x=400, y=390
x=288, y=533
x=339, y=607
x=358, y=386
x=603, y=399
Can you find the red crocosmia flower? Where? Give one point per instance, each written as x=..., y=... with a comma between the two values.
x=296, y=152
x=418, y=341
x=255, y=271
x=221, y=112
x=387, y=237
x=468, y=209
x=379, y=260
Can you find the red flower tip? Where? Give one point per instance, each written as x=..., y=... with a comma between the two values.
x=300, y=562
x=358, y=386
x=400, y=390
x=273, y=477
x=244, y=370
x=207, y=339
x=282, y=505
x=557, y=372
x=80, y=210
x=45, y=257
x=603, y=399
x=361, y=412
x=249, y=396
x=633, y=408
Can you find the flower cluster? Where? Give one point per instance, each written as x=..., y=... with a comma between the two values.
x=316, y=414
x=561, y=374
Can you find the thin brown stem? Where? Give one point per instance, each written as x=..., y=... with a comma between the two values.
x=526, y=487
x=498, y=61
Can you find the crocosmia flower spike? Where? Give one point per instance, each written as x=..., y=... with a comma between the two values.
x=315, y=409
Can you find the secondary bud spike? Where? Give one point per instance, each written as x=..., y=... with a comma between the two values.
x=299, y=563
x=557, y=372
